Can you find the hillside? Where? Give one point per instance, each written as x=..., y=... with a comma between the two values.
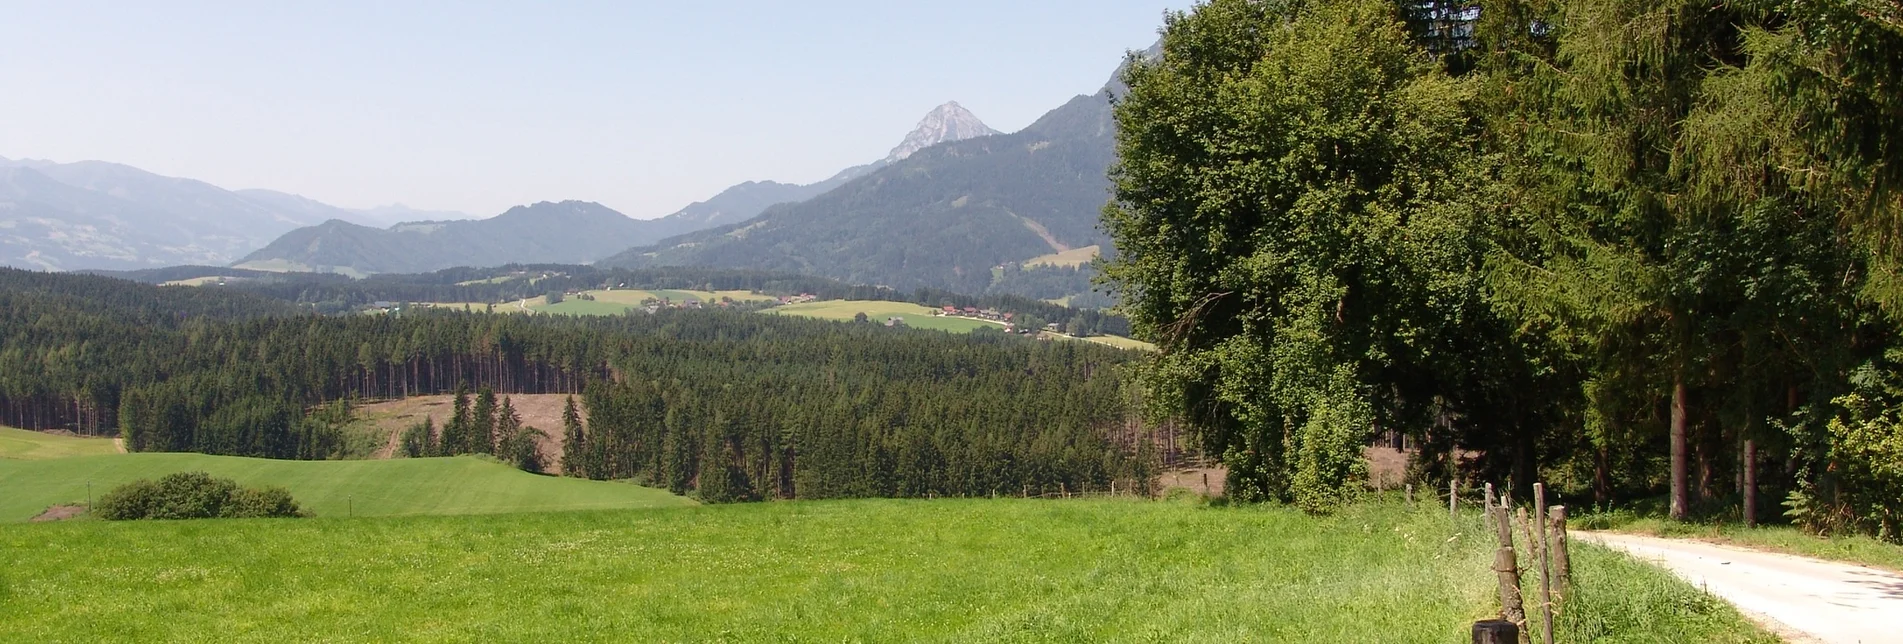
x=950, y=570
x=948, y=122
x=941, y=217
x=405, y=486
x=98, y=215
x=566, y=232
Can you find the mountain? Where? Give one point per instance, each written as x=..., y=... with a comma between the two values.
x=98, y=215
x=948, y=122
x=942, y=215
x=573, y=232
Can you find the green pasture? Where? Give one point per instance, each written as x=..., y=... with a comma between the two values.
x=915, y=316
x=461, y=485
x=27, y=445
x=870, y=570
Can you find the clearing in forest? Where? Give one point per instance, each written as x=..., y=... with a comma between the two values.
x=20, y=444
x=1072, y=258
x=404, y=486
x=915, y=316
x=380, y=425
x=618, y=301
x=974, y=570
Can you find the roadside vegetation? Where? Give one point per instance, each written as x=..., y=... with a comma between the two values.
x=1849, y=548
x=874, y=570
x=1631, y=249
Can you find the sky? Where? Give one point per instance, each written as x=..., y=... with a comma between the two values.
x=478, y=106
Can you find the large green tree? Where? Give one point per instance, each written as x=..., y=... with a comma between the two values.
x=1296, y=220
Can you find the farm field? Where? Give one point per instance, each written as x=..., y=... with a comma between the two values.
x=872, y=570
x=21, y=444
x=915, y=316
x=617, y=301
x=1117, y=341
x=1069, y=259
x=405, y=486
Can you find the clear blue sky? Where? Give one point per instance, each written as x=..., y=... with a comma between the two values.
x=469, y=106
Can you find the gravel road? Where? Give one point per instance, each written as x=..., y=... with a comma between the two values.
x=1801, y=599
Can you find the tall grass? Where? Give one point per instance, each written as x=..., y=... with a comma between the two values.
x=870, y=570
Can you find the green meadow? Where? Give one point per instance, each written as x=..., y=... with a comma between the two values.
x=460, y=485
x=869, y=570
x=915, y=316
x=21, y=444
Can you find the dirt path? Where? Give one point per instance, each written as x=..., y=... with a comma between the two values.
x=1802, y=599
x=119, y=444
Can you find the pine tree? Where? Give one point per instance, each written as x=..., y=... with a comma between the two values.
x=482, y=424
x=574, y=442
x=456, y=432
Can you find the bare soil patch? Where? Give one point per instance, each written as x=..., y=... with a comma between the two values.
x=59, y=512
x=541, y=411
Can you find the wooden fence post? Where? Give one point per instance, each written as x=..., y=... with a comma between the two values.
x=1496, y=631
x=1410, y=496
x=1453, y=497
x=1507, y=565
x=1562, y=562
x=1486, y=508
x=1546, y=564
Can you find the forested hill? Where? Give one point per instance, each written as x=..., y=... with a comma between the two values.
x=774, y=407
x=569, y=232
x=24, y=294
x=943, y=217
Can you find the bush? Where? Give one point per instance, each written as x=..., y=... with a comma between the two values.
x=264, y=502
x=193, y=495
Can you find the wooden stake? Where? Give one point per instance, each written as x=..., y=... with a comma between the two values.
x=1410, y=496
x=1507, y=567
x=1562, y=562
x=1496, y=631
x=1486, y=509
x=1546, y=564
x=1453, y=497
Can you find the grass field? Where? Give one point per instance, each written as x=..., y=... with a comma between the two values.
x=618, y=301
x=875, y=570
x=25, y=445
x=461, y=485
x=1070, y=259
x=1862, y=550
x=915, y=316
x=1119, y=342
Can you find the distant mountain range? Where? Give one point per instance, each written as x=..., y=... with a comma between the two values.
x=569, y=232
x=98, y=215
x=942, y=215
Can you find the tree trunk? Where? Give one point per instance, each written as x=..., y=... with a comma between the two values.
x=1680, y=508
x=1750, y=483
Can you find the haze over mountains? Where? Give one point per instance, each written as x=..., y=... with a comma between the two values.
x=954, y=205
x=98, y=215
x=942, y=216
x=341, y=246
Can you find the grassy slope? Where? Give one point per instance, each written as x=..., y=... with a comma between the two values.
x=1071, y=258
x=916, y=316
x=876, y=570
x=462, y=485
x=27, y=445
x=1861, y=550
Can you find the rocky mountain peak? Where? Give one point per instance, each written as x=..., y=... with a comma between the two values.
x=948, y=122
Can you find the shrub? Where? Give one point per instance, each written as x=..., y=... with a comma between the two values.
x=261, y=502
x=193, y=495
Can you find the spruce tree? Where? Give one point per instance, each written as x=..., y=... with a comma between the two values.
x=482, y=424
x=574, y=442
x=456, y=431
